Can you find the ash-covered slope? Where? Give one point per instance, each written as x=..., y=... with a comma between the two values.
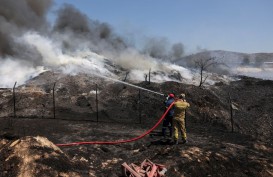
x=252, y=100
x=212, y=147
x=75, y=99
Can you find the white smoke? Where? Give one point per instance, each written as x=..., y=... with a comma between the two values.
x=12, y=70
x=257, y=72
x=28, y=45
x=72, y=63
x=73, y=43
x=81, y=61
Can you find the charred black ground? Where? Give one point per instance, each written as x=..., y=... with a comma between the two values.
x=212, y=150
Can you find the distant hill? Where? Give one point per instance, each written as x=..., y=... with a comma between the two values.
x=258, y=65
x=228, y=57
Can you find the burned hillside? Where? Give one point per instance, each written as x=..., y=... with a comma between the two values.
x=124, y=112
x=253, y=106
x=75, y=98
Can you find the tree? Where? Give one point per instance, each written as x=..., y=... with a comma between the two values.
x=202, y=65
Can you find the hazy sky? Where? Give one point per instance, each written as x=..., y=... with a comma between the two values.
x=234, y=25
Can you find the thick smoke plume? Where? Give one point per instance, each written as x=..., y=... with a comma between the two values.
x=17, y=17
x=160, y=48
x=73, y=44
x=86, y=33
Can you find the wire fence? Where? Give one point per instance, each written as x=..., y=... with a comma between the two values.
x=117, y=105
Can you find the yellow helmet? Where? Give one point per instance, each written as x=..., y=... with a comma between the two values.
x=182, y=95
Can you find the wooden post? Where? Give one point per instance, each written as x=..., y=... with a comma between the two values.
x=14, y=101
x=231, y=113
x=14, y=104
x=54, y=108
x=139, y=107
x=97, y=105
x=149, y=75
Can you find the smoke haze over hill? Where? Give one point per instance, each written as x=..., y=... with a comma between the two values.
x=29, y=45
x=257, y=65
x=74, y=43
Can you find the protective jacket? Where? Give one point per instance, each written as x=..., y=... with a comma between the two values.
x=179, y=119
x=180, y=107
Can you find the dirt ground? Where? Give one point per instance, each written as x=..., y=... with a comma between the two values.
x=212, y=149
x=209, y=151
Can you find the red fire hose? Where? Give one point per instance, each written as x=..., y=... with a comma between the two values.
x=120, y=141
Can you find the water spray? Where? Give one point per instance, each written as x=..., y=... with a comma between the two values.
x=132, y=85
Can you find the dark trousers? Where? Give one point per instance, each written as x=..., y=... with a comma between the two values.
x=167, y=124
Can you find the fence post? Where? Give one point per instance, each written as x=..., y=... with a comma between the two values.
x=149, y=75
x=97, y=106
x=14, y=100
x=139, y=107
x=54, y=108
x=14, y=104
x=231, y=113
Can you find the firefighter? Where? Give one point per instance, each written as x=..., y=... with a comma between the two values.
x=167, y=122
x=180, y=107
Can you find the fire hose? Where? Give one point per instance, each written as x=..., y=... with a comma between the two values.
x=120, y=141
